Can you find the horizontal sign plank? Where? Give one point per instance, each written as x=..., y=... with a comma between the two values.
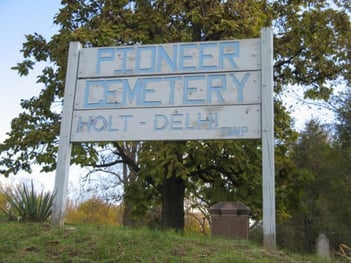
x=165, y=91
x=175, y=58
x=173, y=123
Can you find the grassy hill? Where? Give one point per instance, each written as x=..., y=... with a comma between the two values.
x=33, y=242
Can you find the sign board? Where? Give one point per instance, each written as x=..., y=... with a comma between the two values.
x=178, y=91
x=169, y=59
x=192, y=123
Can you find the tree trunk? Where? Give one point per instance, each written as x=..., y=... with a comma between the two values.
x=173, y=203
x=127, y=219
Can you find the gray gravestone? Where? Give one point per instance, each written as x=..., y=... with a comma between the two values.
x=323, y=248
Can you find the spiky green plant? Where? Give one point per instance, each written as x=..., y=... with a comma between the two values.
x=26, y=204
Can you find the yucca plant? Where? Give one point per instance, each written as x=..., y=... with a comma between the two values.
x=26, y=204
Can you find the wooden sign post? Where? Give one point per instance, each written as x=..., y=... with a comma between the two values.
x=268, y=173
x=178, y=91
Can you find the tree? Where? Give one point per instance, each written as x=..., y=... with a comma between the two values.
x=342, y=184
x=325, y=195
x=311, y=45
x=341, y=106
x=310, y=42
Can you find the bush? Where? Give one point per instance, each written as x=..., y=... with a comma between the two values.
x=2, y=197
x=26, y=204
x=94, y=211
x=3, y=201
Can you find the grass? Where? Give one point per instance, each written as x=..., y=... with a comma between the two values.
x=34, y=242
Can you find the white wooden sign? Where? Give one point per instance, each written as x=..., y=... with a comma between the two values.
x=179, y=91
x=193, y=123
x=235, y=88
x=167, y=59
x=148, y=81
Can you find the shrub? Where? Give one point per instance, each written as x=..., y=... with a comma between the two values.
x=94, y=211
x=2, y=196
x=3, y=201
x=26, y=204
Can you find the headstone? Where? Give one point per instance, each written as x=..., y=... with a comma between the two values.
x=323, y=247
x=230, y=219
